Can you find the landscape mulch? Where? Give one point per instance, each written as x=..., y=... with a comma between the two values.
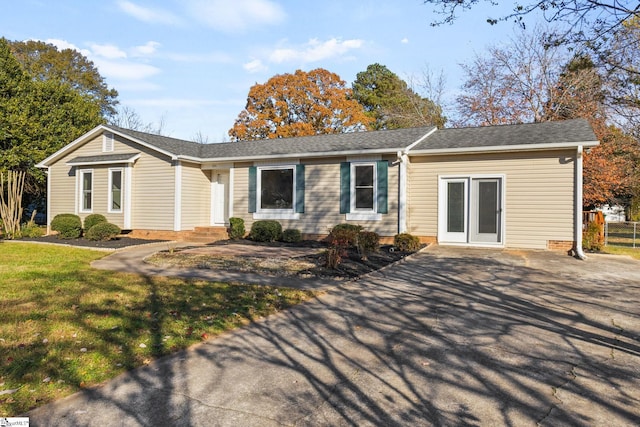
x=118, y=243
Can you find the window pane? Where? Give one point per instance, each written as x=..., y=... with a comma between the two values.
x=86, y=190
x=455, y=207
x=116, y=190
x=276, y=188
x=364, y=176
x=364, y=198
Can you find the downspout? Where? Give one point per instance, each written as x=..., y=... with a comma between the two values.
x=578, y=219
x=402, y=192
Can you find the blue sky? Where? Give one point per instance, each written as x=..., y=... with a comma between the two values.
x=192, y=62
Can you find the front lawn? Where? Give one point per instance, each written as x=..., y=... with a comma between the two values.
x=65, y=326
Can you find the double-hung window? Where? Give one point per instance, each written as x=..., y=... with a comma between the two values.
x=276, y=192
x=86, y=190
x=363, y=190
x=115, y=190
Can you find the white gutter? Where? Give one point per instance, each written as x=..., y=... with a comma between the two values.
x=578, y=219
x=507, y=148
x=403, y=158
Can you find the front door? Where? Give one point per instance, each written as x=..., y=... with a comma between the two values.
x=486, y=211
x=470, y=210
x=219, y=197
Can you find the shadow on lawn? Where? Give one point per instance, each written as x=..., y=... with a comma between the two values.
x=442, y=339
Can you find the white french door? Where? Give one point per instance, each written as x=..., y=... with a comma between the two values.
x=470, y=210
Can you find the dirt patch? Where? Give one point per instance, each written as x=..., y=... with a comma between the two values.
x=304, y=260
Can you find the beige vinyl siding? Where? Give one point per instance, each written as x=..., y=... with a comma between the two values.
x=196, y=197
x=322, y=199
x=539, y=199
x=152, y=192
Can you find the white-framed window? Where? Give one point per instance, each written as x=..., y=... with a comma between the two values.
x=116, y=183
x=363, y=190
x=86, y=190
x=276, y=191
x=107, y=142
x=276, y=187
x=363, y=187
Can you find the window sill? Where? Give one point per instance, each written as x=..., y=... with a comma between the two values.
x=276, y=215
x=364, y=216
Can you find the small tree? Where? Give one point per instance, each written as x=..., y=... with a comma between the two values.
x=11, y=190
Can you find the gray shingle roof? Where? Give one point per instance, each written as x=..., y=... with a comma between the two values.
x=387, y=140
x=567, y=131
x=103, y=158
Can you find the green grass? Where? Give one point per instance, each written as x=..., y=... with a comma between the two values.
x=65, y=326
x=620, y=250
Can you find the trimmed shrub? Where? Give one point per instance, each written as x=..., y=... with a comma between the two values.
x=346, y=233
x=68, y=226
x=31, y=229
x=291, y=235
x=236, y=228
x=593, y=238
x=368, y=242
x=266, y=230
x=103, y=231
x=406, y=242
x=92, y=220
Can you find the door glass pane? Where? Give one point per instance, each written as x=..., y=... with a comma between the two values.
x=455, y=207
x=488, y=207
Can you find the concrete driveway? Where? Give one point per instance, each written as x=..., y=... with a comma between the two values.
x=450, y=337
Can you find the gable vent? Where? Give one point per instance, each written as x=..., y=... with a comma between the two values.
x=107, y=142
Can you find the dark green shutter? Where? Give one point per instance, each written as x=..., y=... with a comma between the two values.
x=252, y=188
x=299, y=188
x=345, y=187
x=383, y=184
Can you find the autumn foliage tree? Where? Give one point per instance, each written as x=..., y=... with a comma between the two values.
x=299, y=104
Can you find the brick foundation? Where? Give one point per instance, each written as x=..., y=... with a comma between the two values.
x=559, y=245
x=160, y=235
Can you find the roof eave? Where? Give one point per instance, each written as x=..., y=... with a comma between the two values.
x=505, y=149
x=305, y=154
x=130, y=160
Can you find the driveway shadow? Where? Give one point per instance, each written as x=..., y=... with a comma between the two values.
x=449, y=337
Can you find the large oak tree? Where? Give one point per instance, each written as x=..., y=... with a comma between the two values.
x=299, y=104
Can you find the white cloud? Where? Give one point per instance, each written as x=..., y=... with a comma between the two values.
x=149, y=48
x=315, y=50
x=404, y=41
x=154, y=16
x=255, y=66
x=238, y=15
x=108, y=51
x=125, y=70
x=214, y=57
x=63, y=44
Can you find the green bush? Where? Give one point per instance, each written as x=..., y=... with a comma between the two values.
x=593, y=237
x=103, y=231
x=368, y=242
x=346, y=233
x=31, y=229
x=265, y=231
x=68, y=226
x=236, y=228
x=406, y=242
x=291, y=235
x=92, y=220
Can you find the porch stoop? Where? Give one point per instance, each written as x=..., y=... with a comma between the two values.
x=208, y=234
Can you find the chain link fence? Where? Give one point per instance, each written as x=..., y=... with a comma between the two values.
x=622, y=234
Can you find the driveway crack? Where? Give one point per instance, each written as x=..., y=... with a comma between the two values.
x=573, y=376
